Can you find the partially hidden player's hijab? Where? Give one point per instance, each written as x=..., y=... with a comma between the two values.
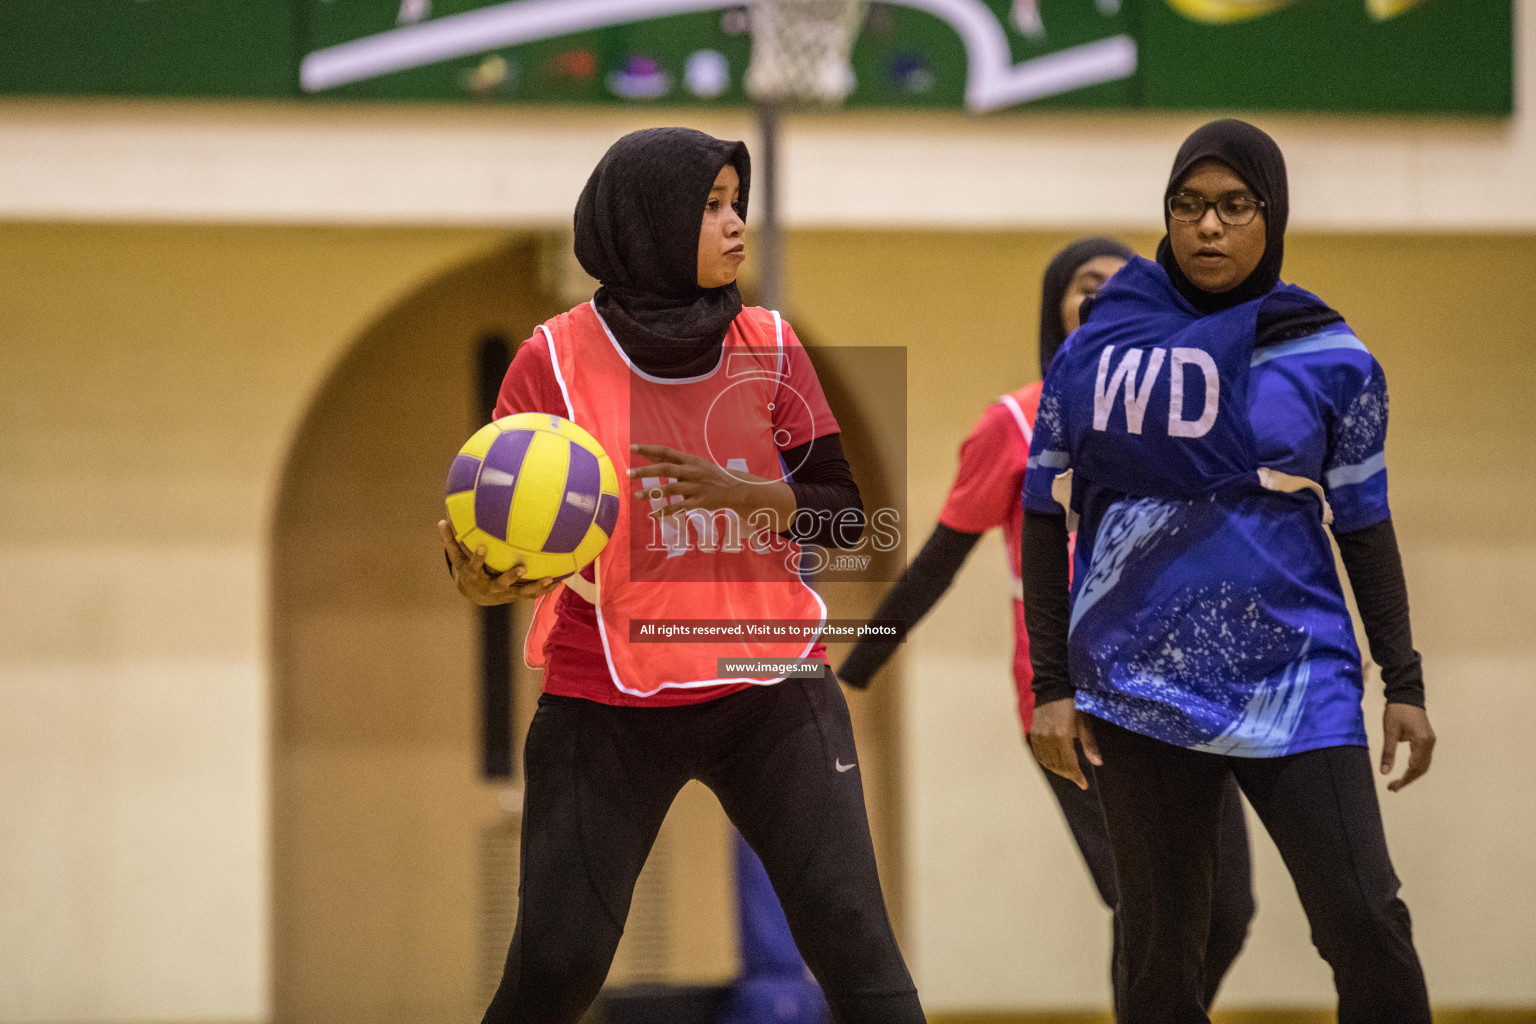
x=1254, y=157
x=637, y=232
x=1058, y=278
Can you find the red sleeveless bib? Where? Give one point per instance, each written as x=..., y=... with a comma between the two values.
x=697, y=566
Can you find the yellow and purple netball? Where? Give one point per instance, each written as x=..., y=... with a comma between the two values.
x=534, y=490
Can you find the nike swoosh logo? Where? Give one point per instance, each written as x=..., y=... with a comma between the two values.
x=838, y=764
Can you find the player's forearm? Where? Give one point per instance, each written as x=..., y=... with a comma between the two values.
x=755, y=496
x=1375, y=568
x=918, y=590
x=1047, y=574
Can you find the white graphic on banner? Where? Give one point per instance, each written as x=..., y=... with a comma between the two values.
x=993, y=80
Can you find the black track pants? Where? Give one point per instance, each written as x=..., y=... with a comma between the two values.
x=598, y=782
x=1232, y=904
x=1163, y=806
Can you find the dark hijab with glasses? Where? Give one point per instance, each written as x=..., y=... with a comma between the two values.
x=1254, y=157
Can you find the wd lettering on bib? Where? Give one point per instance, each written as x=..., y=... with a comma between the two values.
x=1149, y=397
x=1136, y=395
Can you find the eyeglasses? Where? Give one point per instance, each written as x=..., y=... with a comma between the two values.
x=1232, y=210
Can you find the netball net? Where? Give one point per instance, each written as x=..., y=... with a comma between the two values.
x=801, y=49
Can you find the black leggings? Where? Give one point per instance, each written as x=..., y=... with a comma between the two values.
x=599, y=781
x=1163, y=805
x=1232, y=904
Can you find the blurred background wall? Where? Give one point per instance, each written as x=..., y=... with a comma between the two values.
x=154, y=379
x=195, y=297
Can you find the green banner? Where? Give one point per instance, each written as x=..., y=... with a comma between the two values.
x=984, y=54
x=150, y=47
x=1428, y=56
x=1432, y=56
x=1372, y=56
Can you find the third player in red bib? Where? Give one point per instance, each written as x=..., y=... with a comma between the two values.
x=987, y=494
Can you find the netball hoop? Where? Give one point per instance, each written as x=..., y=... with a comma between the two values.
x=800, y=57
x=801, y=48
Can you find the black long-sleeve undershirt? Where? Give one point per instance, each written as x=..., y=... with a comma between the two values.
x=918, y=590
x=1371, y=560
x=825, y=489
x=1375, y=569
x=1047, y=576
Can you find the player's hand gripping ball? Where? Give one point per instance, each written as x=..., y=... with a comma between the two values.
x=534, y=490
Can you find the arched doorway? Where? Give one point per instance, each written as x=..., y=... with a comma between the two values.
x=377, y=801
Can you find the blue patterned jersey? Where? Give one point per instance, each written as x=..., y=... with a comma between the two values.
x=1206, y=609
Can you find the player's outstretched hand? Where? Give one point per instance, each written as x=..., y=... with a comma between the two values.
x=479, y=585
x=1404, y=723
x=1057, y=724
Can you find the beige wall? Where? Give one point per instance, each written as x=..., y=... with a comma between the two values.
x=150, y=380
x=151, y=383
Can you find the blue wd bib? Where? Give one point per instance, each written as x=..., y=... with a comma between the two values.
x=1206, y=610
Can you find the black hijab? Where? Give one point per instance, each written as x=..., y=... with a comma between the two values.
x=1053, y=288
x=637, y=232
x=1255, y=158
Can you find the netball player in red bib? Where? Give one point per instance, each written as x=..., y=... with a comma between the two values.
x=732, y=458
x=987, y=493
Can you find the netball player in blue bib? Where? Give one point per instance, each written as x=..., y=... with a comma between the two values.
x=1207, y=426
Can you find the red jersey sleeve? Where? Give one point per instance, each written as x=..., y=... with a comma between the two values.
x=989, y=483
x=530, y=384
x=801, y=413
